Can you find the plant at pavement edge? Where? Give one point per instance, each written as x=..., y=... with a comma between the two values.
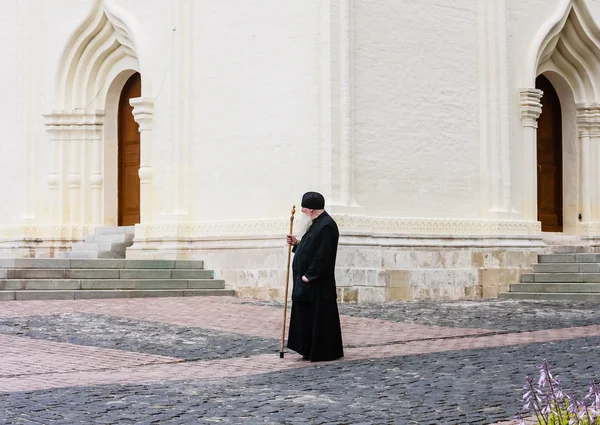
x=552, y=406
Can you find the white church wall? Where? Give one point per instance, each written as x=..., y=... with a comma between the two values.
x=254, y=147
x=13, y=117
x=416, y=108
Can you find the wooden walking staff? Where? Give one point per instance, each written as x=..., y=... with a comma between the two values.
x=287, y=281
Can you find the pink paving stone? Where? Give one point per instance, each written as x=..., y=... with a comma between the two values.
x=21, y=356
x=145, y=374
x=231, y=315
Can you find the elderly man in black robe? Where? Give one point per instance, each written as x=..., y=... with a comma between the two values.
x=315, y=330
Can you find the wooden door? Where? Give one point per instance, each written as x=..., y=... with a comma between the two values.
x=129, y=155
x=549, y=159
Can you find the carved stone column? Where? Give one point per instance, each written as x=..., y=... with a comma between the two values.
x=143, y=111
x=74, y=178
x=531, y=109
x=95, y=136
x=56, y=134
x=69, y=132
x=588, y=126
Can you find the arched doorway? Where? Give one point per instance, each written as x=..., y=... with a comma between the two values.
x=128, y=155
x=549, y=159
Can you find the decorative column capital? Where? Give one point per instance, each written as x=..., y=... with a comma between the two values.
x=588, y=119
x=531, y=107
x=74, y=122
x=74, y=117
x=143, y=112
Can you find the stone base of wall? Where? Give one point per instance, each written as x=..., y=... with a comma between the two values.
x=368, y=270
x=34, y=248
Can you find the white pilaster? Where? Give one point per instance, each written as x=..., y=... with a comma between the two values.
x=531, y=108
x=336, y=104
x=496, y=173
x=182, y=81
x=143, y=111
x=29, y=17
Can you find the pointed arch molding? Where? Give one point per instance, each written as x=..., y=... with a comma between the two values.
x=106, y=37
x=570, y=44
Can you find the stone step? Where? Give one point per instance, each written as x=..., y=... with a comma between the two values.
x=125, y=238
x=91, y=254
x=569, y=258
x=38, y=263
x=572, y=296
x=99, y=246
x=567, y=268
x=106, y=274
x=558, y=287
x=114, y=230
x=108, y=284
x=561, y=277
x=97, y=294
x=56, y=263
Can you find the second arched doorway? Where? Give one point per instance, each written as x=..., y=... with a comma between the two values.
x=128, y=162
x=549, y=159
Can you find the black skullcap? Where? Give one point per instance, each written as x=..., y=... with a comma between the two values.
x=313, y=201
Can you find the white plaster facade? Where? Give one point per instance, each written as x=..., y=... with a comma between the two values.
x=415, y=118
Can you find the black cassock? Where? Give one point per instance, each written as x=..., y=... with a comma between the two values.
x=315, y=330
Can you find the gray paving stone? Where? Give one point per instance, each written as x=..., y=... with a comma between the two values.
x=463, y=387
x=507, y=315
x=137, y=336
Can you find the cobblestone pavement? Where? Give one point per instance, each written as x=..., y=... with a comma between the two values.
x=186, y=343
x=215, y=360
x=515, y=316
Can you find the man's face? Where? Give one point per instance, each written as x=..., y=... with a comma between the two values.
x=307, y=211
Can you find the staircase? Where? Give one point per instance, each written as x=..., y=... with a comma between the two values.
x=566, y=276
x=72, y=278
x=106, y=242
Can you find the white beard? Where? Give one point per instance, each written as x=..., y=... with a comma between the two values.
x=302, y=224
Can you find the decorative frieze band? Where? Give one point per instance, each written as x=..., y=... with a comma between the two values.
x=531, y=106
x=346, y=223
x=38, y=232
